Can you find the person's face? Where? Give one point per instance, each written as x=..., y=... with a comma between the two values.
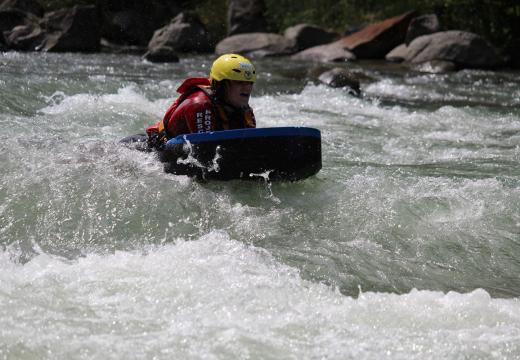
x=238, y=93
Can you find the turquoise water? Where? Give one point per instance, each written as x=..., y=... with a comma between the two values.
x=405, y=245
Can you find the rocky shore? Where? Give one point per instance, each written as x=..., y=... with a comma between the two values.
x=164, y=33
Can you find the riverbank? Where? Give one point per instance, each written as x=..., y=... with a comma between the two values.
x=164, y=33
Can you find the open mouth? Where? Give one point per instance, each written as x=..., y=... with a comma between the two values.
x=245, y=94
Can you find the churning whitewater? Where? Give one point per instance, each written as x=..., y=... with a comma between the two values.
x=405, y=245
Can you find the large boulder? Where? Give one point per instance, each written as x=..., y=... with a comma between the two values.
x=255, y=45
x=72, y=29
x=246, y=16
x=422, y=25
x=26, y=6
x=134, y=22
x=466, y=50
x=185, y=33
x=333, y=52
x=376, y=40
x=305, y=36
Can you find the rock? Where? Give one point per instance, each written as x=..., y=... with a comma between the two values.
x=25, y=37
x=26, y=6
x=422, y=25
x=466, y=50
x=339, y=78
x=72, y=29
x=435, y=66
x=397, y=54
x=333, y=52
x=255, y=45
x=376, y=40
x=305, y=36
x=185, y=33
x=134, y=22
x=246, y=16
x=163, y=54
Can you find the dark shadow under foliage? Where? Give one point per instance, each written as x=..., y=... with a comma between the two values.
x=496, y=20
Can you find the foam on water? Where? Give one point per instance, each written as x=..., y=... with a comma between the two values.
x=219, y=298
x=103, y=255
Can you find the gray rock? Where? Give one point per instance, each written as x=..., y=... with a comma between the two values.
x=466, y=50
x=255, y=45
x=397, y=54
x=246, y=16
x=341, y=78
x=185, y=33
x=163, y=54
x=305, y=36
x=334, y=52
x=422, y=25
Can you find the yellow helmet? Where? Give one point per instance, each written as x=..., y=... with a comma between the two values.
x=233, y=67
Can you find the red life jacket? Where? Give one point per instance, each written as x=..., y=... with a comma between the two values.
x=188, y=87
x=162, y=130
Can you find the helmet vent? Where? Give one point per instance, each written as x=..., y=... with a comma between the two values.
x=236, y=70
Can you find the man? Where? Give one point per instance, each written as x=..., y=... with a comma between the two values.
x=218, y=103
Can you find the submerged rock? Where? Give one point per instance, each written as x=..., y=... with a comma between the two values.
x=341, y=78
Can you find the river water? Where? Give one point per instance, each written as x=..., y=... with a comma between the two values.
x=406, y=245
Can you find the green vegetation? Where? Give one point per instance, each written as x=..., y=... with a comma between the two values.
x=496, y=20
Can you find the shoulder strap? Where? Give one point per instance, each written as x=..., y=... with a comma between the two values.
x=184, y=95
